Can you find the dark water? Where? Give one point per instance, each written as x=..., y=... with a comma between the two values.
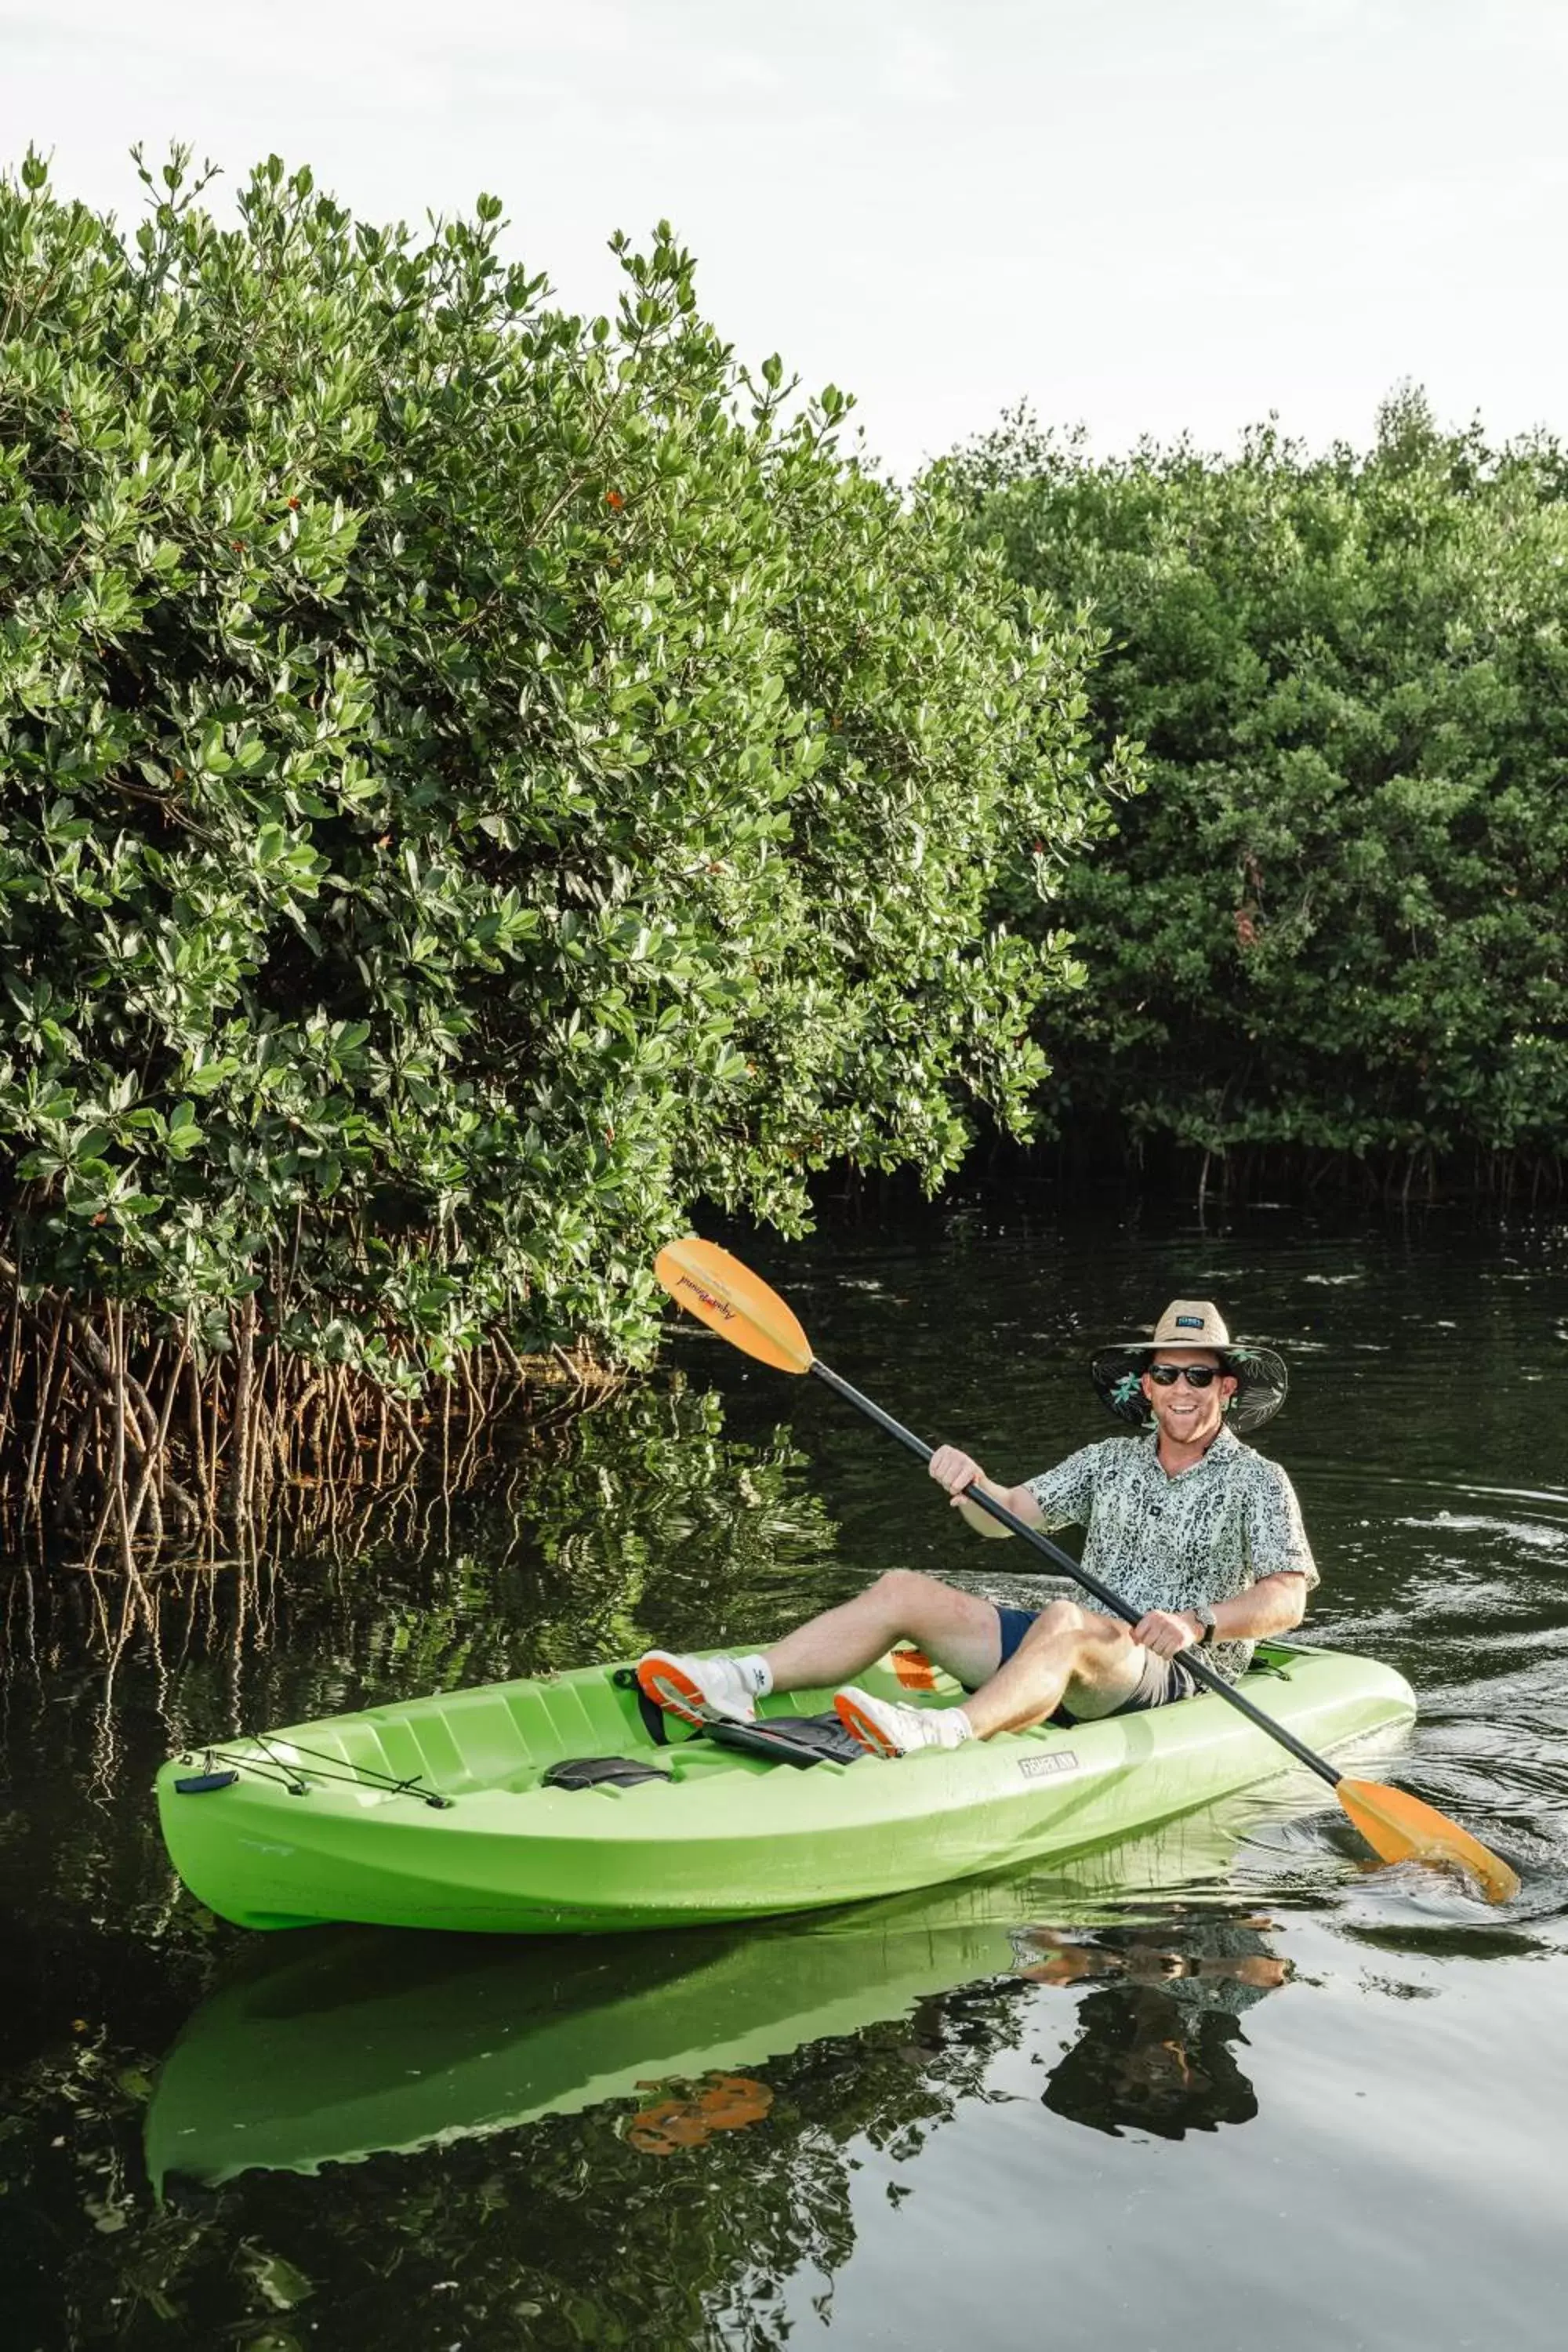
x=1219, y=2087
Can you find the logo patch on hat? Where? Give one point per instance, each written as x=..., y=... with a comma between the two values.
x=1189, y=1322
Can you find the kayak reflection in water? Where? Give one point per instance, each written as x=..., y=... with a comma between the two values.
x=1187, y=1524
x=1154, y=2053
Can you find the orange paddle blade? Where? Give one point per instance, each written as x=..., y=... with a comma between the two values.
x=728, y=1297
x=1399, y=1828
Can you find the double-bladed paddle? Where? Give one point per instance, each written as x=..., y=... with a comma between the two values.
x=731, y=1300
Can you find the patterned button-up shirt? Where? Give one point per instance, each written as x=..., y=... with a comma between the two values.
x=1178, y=1543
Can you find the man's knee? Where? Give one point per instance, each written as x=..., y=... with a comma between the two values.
x=1060, y=1620
x=1089, y=1645
x=904, y=1590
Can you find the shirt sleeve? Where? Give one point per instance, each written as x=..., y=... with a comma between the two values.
x=1065, y=1494
x=1276, y=1539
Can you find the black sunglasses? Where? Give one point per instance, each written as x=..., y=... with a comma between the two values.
x=1196, y=1376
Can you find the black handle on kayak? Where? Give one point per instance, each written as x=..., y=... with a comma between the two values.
x=1198, y=1667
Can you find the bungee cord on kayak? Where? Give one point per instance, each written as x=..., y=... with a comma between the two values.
x=322, y=1767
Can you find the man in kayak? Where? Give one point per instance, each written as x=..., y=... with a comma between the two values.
x=1198, y=1531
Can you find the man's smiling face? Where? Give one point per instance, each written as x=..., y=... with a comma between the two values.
x=1187, y=1415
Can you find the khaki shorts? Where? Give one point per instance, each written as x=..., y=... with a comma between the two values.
x=1150, y=1681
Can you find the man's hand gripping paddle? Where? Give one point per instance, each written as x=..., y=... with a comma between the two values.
x=726, y=1295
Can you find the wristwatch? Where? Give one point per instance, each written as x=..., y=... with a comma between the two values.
x=1205, y=1621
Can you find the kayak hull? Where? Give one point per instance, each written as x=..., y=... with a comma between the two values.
x=300, y=1829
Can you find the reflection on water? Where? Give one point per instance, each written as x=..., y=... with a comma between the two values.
x=886, y=2119
x=1155, y=2051
x=364, y=2043
x=879, y=2023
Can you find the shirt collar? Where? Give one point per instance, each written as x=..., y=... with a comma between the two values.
x=1225, y=1442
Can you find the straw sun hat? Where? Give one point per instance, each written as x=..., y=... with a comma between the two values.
x=1259, y=1374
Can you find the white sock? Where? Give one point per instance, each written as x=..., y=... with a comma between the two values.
x=956, y=1714
x=757, y=1673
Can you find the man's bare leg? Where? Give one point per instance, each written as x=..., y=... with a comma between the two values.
x=959, y=1630
x=1067, y=1653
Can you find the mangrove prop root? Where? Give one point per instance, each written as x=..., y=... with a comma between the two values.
x=120, y=1439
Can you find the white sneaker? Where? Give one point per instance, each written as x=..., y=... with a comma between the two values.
x=699, y=1690
x=890, y=1729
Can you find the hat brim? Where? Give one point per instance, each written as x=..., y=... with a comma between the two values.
x=1262, y=1383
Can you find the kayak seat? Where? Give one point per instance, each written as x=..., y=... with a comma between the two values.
x=798, y=1739
x=802, y=1741
x=599, y=1773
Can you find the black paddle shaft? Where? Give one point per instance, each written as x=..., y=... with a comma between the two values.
x=1199, y=1668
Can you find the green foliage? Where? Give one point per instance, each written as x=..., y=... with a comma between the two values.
x=477, y=781
x=1335, y=921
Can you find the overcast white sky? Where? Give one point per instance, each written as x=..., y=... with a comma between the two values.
x=1143, y=214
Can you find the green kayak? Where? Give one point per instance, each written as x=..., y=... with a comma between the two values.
x=334, y=2049
x=438, y=1813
